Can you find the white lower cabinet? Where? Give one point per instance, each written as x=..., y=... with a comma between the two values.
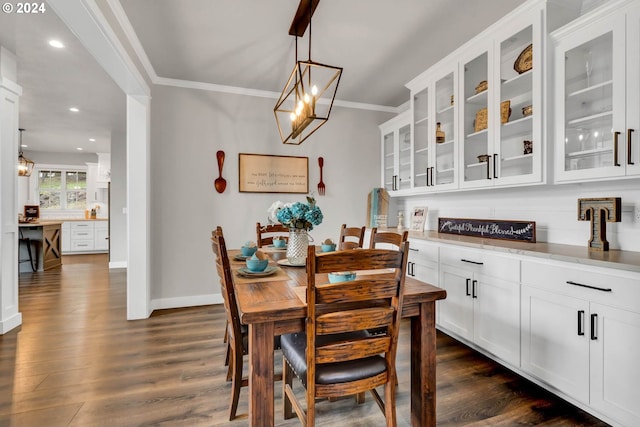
x=423, y=261
x=581, y=335
x=84, y=236
x=482, y=304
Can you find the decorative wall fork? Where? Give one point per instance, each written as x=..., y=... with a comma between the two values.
x=321, y=186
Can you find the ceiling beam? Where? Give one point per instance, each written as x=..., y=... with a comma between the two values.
x=302, y=19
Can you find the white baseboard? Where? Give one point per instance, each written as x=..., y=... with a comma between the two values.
x=190, y=301
x=117, y=264
x=10, y=323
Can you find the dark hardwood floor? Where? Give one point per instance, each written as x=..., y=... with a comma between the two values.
x=76, y=361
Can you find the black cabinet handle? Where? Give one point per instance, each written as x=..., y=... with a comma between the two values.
x=594, y=325
x=580, y=322
x=414, y=249
x=473, y=289
x=629, y=162
x=432, y=184
x=615, y=149
x=468, y=293
x=582, y=285
x=471, y=262
x=488, y=174
x=426, y=174
x=495, y=173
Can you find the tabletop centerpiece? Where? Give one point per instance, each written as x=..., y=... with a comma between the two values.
x=299, y=218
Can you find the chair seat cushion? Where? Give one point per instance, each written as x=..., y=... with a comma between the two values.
x=294, y=351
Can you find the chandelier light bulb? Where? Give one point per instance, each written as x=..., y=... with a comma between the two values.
x=314, y=90
x=307, y=98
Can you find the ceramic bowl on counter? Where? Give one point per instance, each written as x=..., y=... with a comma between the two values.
x=256, y=264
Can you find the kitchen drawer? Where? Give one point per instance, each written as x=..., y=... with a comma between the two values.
x=81, y=225
x=82, y=245
x=423, y=262
x=603, y=285
x=81, y=234
x=481, y=261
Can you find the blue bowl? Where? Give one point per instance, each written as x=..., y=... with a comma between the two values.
x=343, y=276
x=257, y=265
x=248, y=250
x=279, y=243
x=328, y=248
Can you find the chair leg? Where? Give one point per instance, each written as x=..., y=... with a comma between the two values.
x=226, y=355
x=287, y=380
x=236, y=383
x=390, y=403
x=360, y=398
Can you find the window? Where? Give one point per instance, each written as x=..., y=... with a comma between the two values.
x=62, y=189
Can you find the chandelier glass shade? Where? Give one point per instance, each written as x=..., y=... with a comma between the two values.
x=306, y=100
x=25, y=166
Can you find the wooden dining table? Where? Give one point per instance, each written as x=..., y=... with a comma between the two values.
x=272, y=306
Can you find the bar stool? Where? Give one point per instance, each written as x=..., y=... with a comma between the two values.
x=28, y=242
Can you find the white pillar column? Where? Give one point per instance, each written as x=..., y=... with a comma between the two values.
x=10, y=93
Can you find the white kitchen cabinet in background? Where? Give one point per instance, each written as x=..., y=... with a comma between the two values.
x=89, y=236
x=396, y=153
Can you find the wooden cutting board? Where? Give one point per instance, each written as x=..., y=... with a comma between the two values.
x=377, y=207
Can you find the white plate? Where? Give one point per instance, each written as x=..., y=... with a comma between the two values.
x=286, y=262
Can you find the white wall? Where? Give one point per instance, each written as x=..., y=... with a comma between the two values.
x=118, y=201
x=553, y=207
x=187, y=128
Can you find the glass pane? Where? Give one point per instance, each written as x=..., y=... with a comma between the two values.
x=516, y=102
x=589, y=105
x=50, y=200
x=421, y=138
x=76, y=199
x=445, y=131
x=404, y=136
x=476, y=119
x=388, y=161
x=76, y=180
x=49, y=180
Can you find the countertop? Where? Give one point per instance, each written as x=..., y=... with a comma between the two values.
x=39, y=223
x=617, y=259
x=76, y=219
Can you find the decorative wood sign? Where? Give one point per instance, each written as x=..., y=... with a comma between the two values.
x=264, y=173
x=599, y=211
x=489, y=228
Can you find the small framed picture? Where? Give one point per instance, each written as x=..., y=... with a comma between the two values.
x=31, y=212
x=418, y=218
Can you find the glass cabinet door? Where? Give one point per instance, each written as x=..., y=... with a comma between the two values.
x=421, y=129
x=445, y=133
x=475, y=140
x=388, y=147
x=591, y=78
x=404, y=158
x=516, y=141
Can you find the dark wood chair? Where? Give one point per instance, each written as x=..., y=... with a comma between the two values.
x=236, y=339
x=266, y=233
x=337, y=356
x=351, y=237
x=387, y=237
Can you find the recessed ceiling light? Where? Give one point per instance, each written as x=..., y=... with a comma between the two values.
x=74, y=109
x=56, y=43
x=79, y=148
x=92, y=139
x=23, y=145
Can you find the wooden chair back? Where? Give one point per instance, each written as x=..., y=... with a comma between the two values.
x=372, y=301
x=387, y=238
x=351, y=237
x=235, y=342
x=266, y=233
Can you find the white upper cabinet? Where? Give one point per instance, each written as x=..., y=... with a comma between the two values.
x=435, y=121
x=597, y=95
x=396, y=153
x=501, y=124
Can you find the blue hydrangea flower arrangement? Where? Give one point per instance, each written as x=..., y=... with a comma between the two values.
x=296, y=215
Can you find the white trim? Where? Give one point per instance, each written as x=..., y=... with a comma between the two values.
x=134, y=41
x=11, y=86
x=117, y=264
x=10, y=323
x=190, y=301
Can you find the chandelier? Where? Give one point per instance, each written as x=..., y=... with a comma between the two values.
x=307, y=98
x=25, y=166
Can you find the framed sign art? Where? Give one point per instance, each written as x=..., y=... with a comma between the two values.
x=265, y=173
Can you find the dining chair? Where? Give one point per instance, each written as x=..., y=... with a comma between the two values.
x=351, y=237
x=387, y=238
x=266, y=233
x=336, y=355
x=236, y=339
